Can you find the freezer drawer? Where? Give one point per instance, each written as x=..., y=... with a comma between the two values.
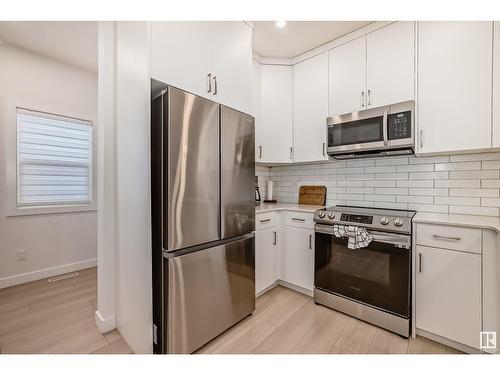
x=238, y=173
x=207, y=292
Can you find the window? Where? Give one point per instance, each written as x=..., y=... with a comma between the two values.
x=54, y=159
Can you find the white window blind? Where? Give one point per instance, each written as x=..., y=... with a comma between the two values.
x=53, y=159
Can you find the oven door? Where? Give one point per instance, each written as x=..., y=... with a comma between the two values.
x=377, y=275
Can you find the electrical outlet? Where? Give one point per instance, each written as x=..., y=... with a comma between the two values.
x=21, y=255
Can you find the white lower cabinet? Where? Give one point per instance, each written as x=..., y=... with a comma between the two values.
x=299, y=257
x=448, y=294
x=266, y=259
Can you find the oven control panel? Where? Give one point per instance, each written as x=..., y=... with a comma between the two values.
x=361, y=219
x=399, y=125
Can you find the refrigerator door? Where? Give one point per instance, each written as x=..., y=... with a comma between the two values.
x=208, y=291
x=238, y=173
x=191, y=211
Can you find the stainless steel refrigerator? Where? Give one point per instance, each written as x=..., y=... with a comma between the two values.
x=203, y=218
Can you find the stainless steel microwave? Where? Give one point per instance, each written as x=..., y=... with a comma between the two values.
x=381, y=131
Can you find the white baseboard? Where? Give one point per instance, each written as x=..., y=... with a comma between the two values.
x=46, y=273
x=297, y=288
x=105, y=324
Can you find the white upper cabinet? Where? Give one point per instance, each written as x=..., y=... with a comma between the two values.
x=180, y=55
x=310, y=108
x=273, y=128
x=390, y=64
x=454, y=86
x=348, y=77
x=232, y=64
x=496, y=85
x=210, y=59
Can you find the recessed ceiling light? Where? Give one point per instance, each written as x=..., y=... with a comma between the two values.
x=280, y=24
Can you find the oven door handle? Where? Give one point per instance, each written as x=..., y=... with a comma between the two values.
x=399, y=240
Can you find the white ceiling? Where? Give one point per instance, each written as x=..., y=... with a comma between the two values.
x=74, y=43
x=298, y=37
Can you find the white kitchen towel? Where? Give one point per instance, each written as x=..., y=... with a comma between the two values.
x=357, y=237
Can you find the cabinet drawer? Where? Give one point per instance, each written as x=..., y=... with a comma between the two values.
x=265, y=220
x=300, y=219
x=449, y=237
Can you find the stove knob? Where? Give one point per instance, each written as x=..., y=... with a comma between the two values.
x=321, y=214
x=398, y=222
x=331, y=215
x=384, y=220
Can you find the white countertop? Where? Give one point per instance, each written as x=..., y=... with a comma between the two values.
x=471, y=221
x=267, y=207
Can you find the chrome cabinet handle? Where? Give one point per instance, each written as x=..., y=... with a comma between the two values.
x=215, y=85
x=421, y=138
x=420, y=262
x=369, y=92
x=324, y=153
x=362, y=99
x=298, y=219
x=291, y=152
x=209, y=76
x=439, y=237
x=265, y=220
x=260, y=152
x=310, y=241
x=274, y=243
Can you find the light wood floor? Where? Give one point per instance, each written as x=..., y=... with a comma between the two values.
x=39, y=317
x=285, y=321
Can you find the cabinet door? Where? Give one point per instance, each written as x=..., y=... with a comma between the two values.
x=265, y=258
x=448, y=294
x=274, y=128
x=180, y=55
x=454, y=86
x=348, y=77
x=299, y=257
x=496, y=84
x=310, y=108
x=232, y=64
x=390, y=63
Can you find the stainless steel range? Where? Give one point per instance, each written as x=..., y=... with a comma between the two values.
x=363, y=264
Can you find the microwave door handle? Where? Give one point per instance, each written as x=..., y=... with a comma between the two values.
x=385, y=128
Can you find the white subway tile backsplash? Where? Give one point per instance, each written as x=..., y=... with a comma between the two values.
x=393, y=191
x=414, y=199
x=461, y=201
x=429, y=176
x=416, y=168
x=380, y=183
x=429, y=160
x=470, y=184
x=471, y=166
x=491, y=193
x=455, y=184
x=491, y=164
x=428, y=191
x=416, y=183
x=490, y=183
x=474, y=175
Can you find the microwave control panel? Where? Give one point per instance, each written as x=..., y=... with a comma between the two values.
x=399, y=125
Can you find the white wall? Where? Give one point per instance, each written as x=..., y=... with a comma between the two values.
x=55, y=243
x=133, y=206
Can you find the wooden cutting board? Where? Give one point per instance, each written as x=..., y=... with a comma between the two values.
x=314, y=195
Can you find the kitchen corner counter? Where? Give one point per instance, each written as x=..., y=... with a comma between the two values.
x=268, y=207
x=471, y=221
